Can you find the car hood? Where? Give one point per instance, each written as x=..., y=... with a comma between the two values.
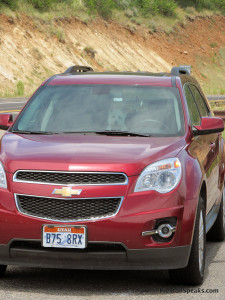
x=77, y=152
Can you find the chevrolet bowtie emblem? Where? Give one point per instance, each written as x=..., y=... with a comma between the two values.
x=66, y=192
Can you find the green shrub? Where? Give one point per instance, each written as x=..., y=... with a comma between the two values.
x=220, y=5
x=46, y=4
x=60, y=35
x=105, y=7
x=11, y=3
x=20, y=88
x=123, y=4
x=164, y=7
x=102, y=7
x=203, y=4
x=42, y=4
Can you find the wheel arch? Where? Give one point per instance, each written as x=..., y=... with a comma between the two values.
x=203, y=194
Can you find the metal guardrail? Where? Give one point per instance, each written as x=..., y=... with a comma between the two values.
x=217, y=99
x=220, y=114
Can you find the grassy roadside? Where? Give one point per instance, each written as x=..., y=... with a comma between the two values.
x=157, y=15
x=223, y=134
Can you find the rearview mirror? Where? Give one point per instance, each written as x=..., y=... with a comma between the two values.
x=208, y=125
x=6, y=120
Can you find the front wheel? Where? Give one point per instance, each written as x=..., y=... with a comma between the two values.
x=193, y=274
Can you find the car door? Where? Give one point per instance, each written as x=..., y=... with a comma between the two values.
x=204, y=147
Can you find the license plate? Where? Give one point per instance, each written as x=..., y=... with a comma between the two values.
x=64, y=236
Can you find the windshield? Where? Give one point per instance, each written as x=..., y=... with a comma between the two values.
x=148, y=110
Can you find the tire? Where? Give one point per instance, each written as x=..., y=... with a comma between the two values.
x=2, y=270
x=217, y=231
x=193, y=274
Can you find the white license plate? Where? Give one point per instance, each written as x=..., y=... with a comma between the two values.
x=64, y=236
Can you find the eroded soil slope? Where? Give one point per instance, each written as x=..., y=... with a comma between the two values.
x=31, y=50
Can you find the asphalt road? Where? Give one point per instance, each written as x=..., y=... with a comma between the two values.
x=11, y=104
x=33, y=283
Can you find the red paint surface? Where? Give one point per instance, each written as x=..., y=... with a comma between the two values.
x=130, y=155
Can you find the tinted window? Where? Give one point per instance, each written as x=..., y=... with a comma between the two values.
x=192, y=107
x=149, y=110
x=200, y=101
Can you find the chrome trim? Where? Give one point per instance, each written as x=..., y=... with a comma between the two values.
x=69, y=221
x=168, y=234
x=72, y=192
x=146, y=233
x=64, y=184
x=158, y=230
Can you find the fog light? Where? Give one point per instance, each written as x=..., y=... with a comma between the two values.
x=165, y=230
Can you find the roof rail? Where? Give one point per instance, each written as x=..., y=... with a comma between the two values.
x=78, y=69
x=176, y=71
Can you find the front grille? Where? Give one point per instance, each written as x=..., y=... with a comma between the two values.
x=63, y=178
x=67, y=209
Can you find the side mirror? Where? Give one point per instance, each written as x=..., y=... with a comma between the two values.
x=208, y=125
x=6, y=120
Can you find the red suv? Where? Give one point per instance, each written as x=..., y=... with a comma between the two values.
x=112, y=171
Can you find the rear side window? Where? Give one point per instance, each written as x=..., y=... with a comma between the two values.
x=192, y=107
x=204, y=112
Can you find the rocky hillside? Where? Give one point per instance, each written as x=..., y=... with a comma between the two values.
x=33, y=49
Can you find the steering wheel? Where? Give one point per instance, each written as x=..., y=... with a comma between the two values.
x=140, y=125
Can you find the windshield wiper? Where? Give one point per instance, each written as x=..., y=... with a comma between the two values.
x=33, y=132
x=121, y=133
x=105, y=132
x=83, y=132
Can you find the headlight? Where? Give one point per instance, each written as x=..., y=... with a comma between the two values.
x=3, y=182
x=162, y=176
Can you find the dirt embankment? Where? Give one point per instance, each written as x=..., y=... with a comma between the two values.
x=31, y=50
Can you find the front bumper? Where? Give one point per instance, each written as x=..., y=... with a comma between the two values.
x=123, y=259
x=138, y=213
